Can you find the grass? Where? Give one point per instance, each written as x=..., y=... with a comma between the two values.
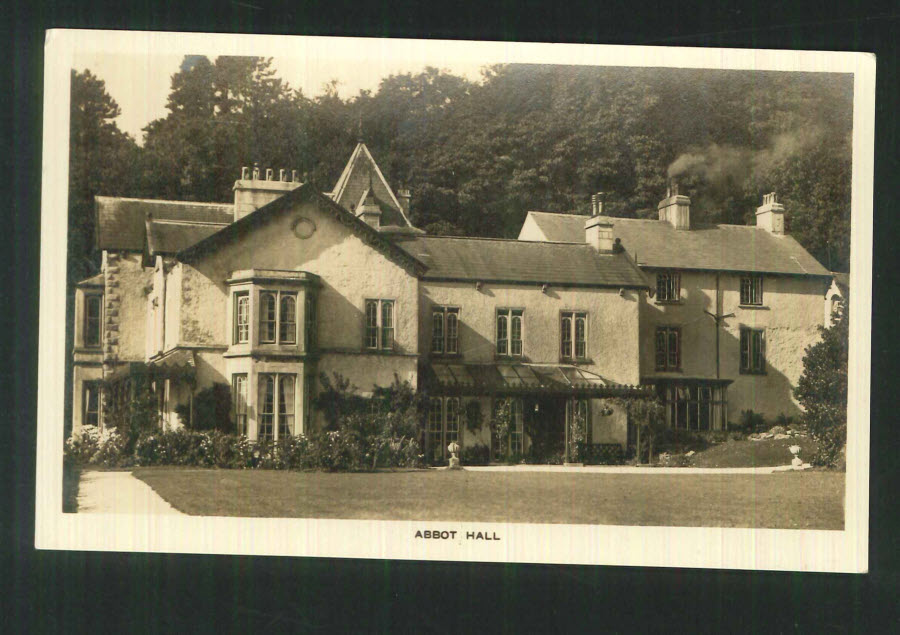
x=746, y=453
x=790, y=500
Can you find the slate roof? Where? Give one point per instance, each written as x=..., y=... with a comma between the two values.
x=121, y=221
x=503, y=260
x=169, y=237
x=655, y=243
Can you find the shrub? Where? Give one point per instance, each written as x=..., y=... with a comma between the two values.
x=90, y=446
x=752, y=421
x=212, y=409
x=478, y=454
x=602, y=454
x=822, y=390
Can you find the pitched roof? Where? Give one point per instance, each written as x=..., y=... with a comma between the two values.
x=93, y=281
x=504, y=260
x=120, y=221
x=359, y=174
x=305, y=192
x=169, y=237
x=655, y=243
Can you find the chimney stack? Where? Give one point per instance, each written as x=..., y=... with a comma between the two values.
x=369, y=212
x=404, y=195
x=770, y=215
x=252, y=192
x=597, y=203
x=598, y=233
x=675, y=209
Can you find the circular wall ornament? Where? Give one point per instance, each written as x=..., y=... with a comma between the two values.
x=303, y=227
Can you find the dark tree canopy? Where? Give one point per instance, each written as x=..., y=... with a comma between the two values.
x=479, y=155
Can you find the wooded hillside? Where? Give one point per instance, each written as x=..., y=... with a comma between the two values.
x=478, y=156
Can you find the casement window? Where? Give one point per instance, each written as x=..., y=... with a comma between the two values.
x=91, y=404
x=572, y=335
x=694, y=407
x=380, y=325
x=310, y=321
x=753, y=351
x=287, y=318
x=445, y=330
x=668, y=286
x=751, y=290
x=93, y=311
x=509, y=332
x=239, y=402
x=514, y=443
x=241, y=317
x=277, y=317
x=668, y=348
x=276, y=406
x=443, y=425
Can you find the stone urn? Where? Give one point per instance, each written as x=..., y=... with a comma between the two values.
x=796, y=462
x=453, y=449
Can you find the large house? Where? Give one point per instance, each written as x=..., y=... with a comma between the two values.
x=287, y=283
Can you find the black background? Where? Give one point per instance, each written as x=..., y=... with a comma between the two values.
x=110, y=592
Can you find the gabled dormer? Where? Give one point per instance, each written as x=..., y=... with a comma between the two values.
x=362, y=187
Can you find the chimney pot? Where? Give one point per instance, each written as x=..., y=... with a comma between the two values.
x=294, y=177
x=282, y=175
x=245, y=173
x=256, y=171
x=269, y=174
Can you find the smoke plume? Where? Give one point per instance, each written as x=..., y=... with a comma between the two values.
x=717, y=164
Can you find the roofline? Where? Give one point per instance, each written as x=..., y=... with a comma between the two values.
x=187, y=222
x=715, y=270
x=98, y=197
x=509, y=240
x=370, y=235
x=557, y=283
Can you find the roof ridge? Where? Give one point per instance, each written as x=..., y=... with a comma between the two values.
x=187, y=222
x=509, y=240
x=163, y=201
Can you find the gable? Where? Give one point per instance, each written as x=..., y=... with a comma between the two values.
x=361, y=174
x=279, y=221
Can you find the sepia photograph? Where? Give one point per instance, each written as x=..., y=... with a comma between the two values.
x=456, y=301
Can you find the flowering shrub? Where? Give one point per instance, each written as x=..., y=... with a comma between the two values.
x=89, y=445
x=334, y=451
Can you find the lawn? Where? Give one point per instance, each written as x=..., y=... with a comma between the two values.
x=790, y=500
x=746, y=453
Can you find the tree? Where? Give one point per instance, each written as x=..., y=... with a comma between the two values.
x=822, y=390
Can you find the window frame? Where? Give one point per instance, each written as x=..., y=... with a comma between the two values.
x=87, y=324
x=275, y=323
x=666, y=365
x=515, y=441
x=508, y=343
x=276, y=414
x=573, y=316
x=384, y=336
x=442, y=343
x=668, y=287
x=754, y=287
x=239, y=406
x=310, y=320
x=237, y=296
x=88, y=387
x=747, y=365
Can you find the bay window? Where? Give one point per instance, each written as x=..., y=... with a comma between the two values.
x=93, y=310
x=276, y=407
x=239, y=398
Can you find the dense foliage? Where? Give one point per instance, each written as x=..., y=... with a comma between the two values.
x=212, y=409
x=822, y=390
x=479, y=155
x=333, y=451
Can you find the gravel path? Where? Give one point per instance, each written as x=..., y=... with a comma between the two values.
x=119, y=493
